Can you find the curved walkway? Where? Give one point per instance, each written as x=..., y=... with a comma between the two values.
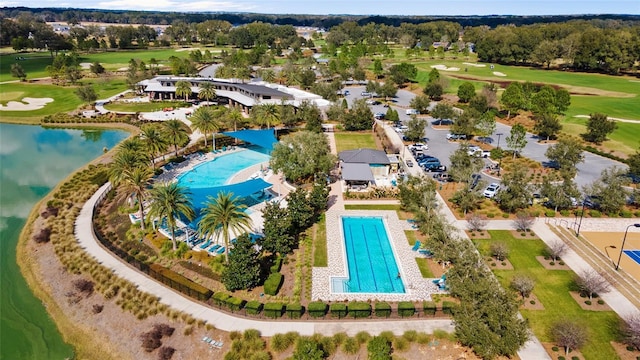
x=223, y=321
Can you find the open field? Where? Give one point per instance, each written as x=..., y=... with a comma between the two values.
x=552, y=289
x=354, y=140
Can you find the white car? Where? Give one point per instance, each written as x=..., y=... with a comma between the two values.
x=412, y=112
x=473, y=149
x=418, y=147
x=491, y=190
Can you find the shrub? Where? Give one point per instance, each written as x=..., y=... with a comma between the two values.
x=97, y=308
x=44, y=236
x=220, y=298
x=532, y=302
x=163, y=330
x=280, y=342
x=273, y=283
x=499, y=250
x=382, y=309
x=588, y=302
x=379, y=348
x=359, y=309
x=277, y=264
x=317, y=309
x=253, y=307
x=179, y=282
x=273, y=310
x=406, y=308
x=555, y=348
x=600, y=302
x=448, y=307
x=294, y=311
x=550, y=213
x=166, y=353
x=626, y=214
x=575, y=358
x=150, y=342
x=338, y=310
x=350, y=346
x=429, y=308
x=234, y=303
x=363, y=337
x=565, y=213
x=505, y=215
x=595, y=213
x=84, y=286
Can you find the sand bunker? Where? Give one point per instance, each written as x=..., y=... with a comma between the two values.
x=85, y=65
x=445, y=68
x=474, y=64
x=498, y=73
x=26, y=104
x=187, y=49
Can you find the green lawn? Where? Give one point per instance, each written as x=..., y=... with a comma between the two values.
x=552, y=289
x=411, y=237
x=320, y=243
x=354, y=140
x=423, y=265
x=64, y=100
x=372, y=207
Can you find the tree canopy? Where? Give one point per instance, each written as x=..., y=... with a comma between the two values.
x=302, y=155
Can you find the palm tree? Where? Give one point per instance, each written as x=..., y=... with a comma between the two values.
x=205, y=120
x=133, y=144
x=268, y=114
x=207, y=91
x=155, y=143
x=135, y=182
x=170, y=201
x=234, y=116
x=183, y=88
x=222, y=215
x=175, y=133
x=126, y=160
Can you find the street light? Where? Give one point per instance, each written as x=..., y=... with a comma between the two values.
x=623, y=241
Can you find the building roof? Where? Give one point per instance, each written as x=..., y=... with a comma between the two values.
x=364, y=156
x=357, y=172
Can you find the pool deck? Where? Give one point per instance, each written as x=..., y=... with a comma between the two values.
x=417, y=288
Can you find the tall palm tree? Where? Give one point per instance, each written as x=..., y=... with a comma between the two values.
x=207, y=91
x=175, y=133
x=155, y=143
x=205, y=120
x=125, y=160
x=133, y=144
x=170, y=201
x=183, y=88
x=135, y=182
x=223, y=214
x=234, y=116
x=269, y=114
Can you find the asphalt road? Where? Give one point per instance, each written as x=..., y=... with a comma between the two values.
x=440, y=147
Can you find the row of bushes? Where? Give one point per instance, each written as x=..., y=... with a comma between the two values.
x=318, y=309
x=64, y=118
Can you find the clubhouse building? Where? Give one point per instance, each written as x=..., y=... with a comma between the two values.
x=232, y=92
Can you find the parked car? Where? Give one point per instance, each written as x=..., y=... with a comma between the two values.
x=379, y=115
x=417, y=147
x=452, y=136
x=346, y=92
x=409, y=163
x=475, y=179
x=372, y=102
x=536, y=198
x=491, y=190
x=365, y=93
x=442, y=177
x=592, y=201
x=412, y=112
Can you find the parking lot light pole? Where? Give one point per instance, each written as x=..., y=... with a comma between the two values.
x=623, y=241
x=581, y=217
x=498, y=147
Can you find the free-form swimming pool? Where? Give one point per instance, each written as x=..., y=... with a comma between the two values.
x=204, y=178
x=371, y=263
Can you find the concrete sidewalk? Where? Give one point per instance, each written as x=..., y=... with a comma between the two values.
x=221, y=320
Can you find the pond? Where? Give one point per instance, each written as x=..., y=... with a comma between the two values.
x=32, y=161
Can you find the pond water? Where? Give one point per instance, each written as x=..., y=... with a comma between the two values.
x=32, y=161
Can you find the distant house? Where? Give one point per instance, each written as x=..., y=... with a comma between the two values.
x=361, y=167
x=444, y=44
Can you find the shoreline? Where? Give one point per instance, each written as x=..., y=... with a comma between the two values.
x=86, y=343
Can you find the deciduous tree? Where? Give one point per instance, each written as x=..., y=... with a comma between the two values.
x=243, y=268
x=566, y=154
x=302, y=155
x=569, y=334
x=598, y=127
x=466, y=91
x=517, y=139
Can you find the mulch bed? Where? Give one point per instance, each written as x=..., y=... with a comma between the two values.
x=546, y=263
x=527, y=235
x=527, y=305
x=623, y=353
x=594, y=303
x=499, y=265
x=560, y=352
x=478, y=235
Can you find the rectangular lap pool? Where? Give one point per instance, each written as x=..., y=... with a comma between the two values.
x=371, y=263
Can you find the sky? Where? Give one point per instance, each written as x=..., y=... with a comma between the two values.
x=356, y=7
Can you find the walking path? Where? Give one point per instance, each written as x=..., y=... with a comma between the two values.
x=532, y=350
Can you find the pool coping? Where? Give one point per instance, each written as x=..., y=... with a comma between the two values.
x=417, y=288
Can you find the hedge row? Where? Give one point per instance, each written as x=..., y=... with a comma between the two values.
x=179, y=282
x=273, y=283
x=277, y=264
x=318, y=309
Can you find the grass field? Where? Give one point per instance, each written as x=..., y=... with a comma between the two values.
x=552, y=289
x=354, y=140
x=144, y=106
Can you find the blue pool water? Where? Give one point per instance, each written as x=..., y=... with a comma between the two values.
x=217, y=172
x=371, y=263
